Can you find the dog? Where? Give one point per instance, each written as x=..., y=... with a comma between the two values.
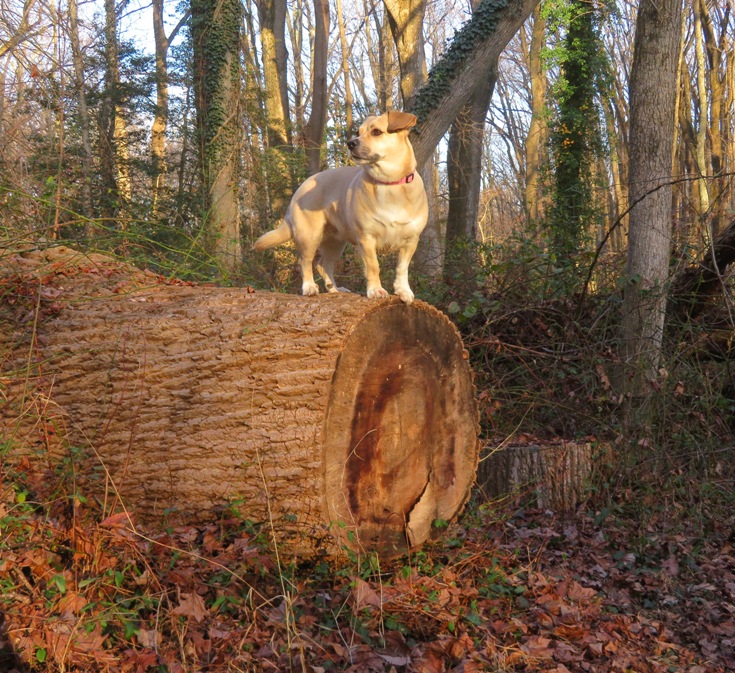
x=377, y=205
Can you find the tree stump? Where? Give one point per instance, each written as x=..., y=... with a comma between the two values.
x=551, y=476
x=341, y=422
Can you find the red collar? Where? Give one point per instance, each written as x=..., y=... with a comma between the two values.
x=402, y=181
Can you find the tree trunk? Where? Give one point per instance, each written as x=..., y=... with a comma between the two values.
x=406, y=19
x=84, y=122
x=464, y=177
x=342, y=422
x=314, y=130
x=537, y=128
x=652, y=103
x=345, y=63
x=160, y=117
x=217, y=77
x=272, y=15
x=114, y=148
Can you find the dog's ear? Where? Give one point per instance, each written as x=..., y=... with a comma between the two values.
x=400, y=121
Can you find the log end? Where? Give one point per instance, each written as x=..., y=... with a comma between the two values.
x=400, y=436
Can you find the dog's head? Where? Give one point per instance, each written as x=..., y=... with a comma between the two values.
x=384, y=139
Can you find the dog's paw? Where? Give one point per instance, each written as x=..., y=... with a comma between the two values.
x=377, y=293
x=405, y=294
x=333, y=289
x=309, y=289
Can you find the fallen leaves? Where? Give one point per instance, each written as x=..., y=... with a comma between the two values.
x=525, y=593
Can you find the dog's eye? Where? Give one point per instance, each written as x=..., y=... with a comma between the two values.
x=376, y=132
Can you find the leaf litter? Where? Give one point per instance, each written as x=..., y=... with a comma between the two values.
x=514, y=591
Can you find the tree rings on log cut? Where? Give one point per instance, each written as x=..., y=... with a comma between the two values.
x=338, y=421
x=400, y=436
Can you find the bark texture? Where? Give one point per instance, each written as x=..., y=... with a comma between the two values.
x=342, y=422
x=551, y=476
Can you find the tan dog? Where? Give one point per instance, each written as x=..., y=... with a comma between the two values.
x=380, y=204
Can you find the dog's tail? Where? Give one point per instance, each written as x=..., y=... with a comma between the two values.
x=280, y=234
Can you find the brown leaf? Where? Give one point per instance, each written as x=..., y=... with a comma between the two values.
x=364, y=595
x=192, y=605
x=148, y=638
x=538, y=647
x=671, y=566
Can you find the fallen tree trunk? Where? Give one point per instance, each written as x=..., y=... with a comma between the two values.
x=697, y=283
x=338, y=420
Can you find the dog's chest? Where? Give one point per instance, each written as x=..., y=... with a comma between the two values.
x=390, y=228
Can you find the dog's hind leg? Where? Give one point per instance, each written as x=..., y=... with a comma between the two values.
x=307, y=236
x=331, y=250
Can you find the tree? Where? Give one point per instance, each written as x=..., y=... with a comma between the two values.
x=113, y=137
x=535, y=140
x=272, y=16
x=314, y=128
x=84, y=120
x=160, y=117
x=652, y=105
x=216, y=39
x=576, y=137
x=406, y=20
x=464, y=175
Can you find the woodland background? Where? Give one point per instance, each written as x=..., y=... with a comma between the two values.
x=591, y=288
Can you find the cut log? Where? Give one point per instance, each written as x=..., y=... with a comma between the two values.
x=341, y=422
x=549, y=476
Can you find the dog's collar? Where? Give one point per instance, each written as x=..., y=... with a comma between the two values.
x=404, y=180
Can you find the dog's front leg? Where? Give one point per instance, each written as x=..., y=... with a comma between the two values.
x=405, y=254
x=369, y=255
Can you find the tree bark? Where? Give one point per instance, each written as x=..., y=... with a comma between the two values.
x=342, y=422
x=652, y=105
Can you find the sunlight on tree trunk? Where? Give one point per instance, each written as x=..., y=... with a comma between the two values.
x=279, y=154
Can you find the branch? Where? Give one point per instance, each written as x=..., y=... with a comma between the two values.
x=462, y=67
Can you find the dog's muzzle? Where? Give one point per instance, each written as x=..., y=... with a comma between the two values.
x=352, y=144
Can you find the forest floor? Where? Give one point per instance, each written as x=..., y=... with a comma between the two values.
x=647, y=584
